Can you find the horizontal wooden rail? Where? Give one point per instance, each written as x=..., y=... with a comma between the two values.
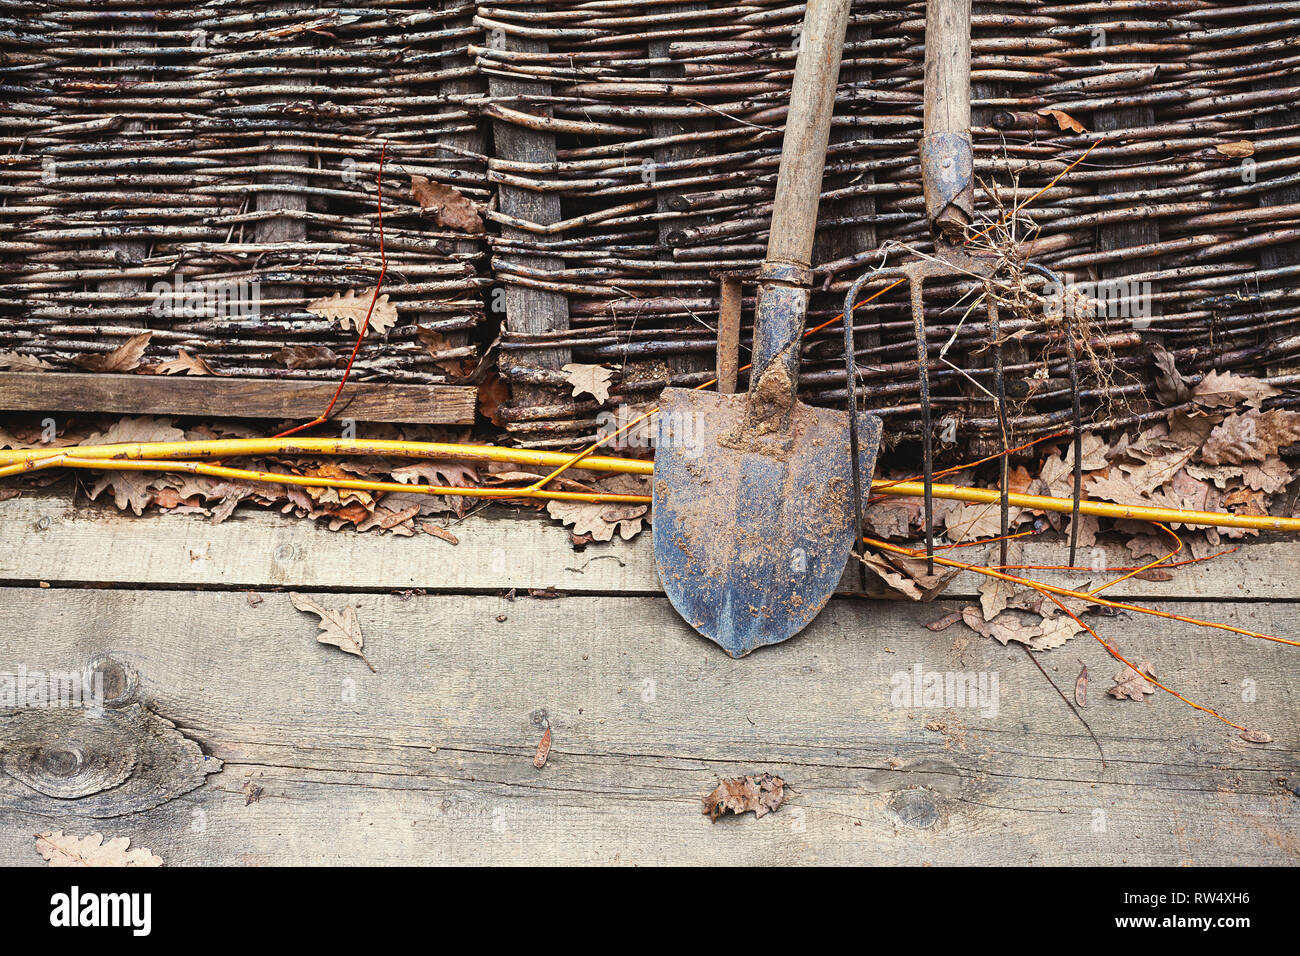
x=229, y=397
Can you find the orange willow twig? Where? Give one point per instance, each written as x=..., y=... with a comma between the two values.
x=1017, y=209
x=1050, y=591
x=1076, y=568
x=361, y=333
x=1079, y=595
x=1136, y=569
x=1178, y=546
x=884, y=486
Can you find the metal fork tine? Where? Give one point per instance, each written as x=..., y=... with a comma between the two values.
x=1072, y=358
x=999, y=385
x=916, y=284
x=851, y=383
x=1078, y=432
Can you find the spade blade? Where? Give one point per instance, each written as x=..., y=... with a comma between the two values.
x=751, y=534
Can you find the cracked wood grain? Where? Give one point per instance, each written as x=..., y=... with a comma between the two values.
x=431, y=760
x=62, y=541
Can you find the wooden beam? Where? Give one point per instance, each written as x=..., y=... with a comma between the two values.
x=73, y=541
x=430, y=758
x=230, y=397
x=527, y=309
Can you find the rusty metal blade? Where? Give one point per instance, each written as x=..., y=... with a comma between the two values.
x=750, y=541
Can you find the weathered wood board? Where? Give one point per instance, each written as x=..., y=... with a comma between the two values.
x=234, y=397
x=57, y=539
x=430, y=758
x=285, y=750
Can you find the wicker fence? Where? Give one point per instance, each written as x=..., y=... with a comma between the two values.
x=625, y=155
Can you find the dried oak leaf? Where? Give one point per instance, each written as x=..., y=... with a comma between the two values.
x=1153, y=574
x=908, y=575
x=124, y=358
x=762, y=794
x=349, y=310
x=339, y=629
x=493, y=392
x=131, y=489
x=1115, y=488
x=446, y=474
x=623, y=484
x=438, y=346
x=1172, y=386
x=599, y=520
x=60, y=849
x=945, y=622
x=439, y=532
x=336, y=496
x=970, y=522
x=592, y=380
x=1152, y=470
x=507, y=478
x=995, y=592
x=1055, y=632
x=543, y=750
x=893, y=517
x=451, y=209
x=1018, y=480
x=307, y=357
x=931, y=585
x=1064, y=120
x=1251, y=436
x=901, y=583
x=1133, y=684
x=1269, y=476
x=1004, y=628
x=1238, y=149
x=185, y=364
x=23, y=363
x=1227, y=390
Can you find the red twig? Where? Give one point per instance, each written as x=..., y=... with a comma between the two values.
x=361, y=334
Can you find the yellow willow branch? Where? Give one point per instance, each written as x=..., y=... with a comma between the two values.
x=237, y=447
x=36, y=464
x=1101, y=509
x=244, y=447
x=359, y=484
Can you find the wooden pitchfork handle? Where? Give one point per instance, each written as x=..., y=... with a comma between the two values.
x=947, y=163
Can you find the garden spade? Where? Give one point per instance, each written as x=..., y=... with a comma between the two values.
x=756, y=500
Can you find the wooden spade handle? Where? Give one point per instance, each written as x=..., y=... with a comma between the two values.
x=786, y=276
x=807, y=129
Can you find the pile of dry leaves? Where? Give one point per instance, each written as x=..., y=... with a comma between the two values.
x=395, y=513
x=1224, y=452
